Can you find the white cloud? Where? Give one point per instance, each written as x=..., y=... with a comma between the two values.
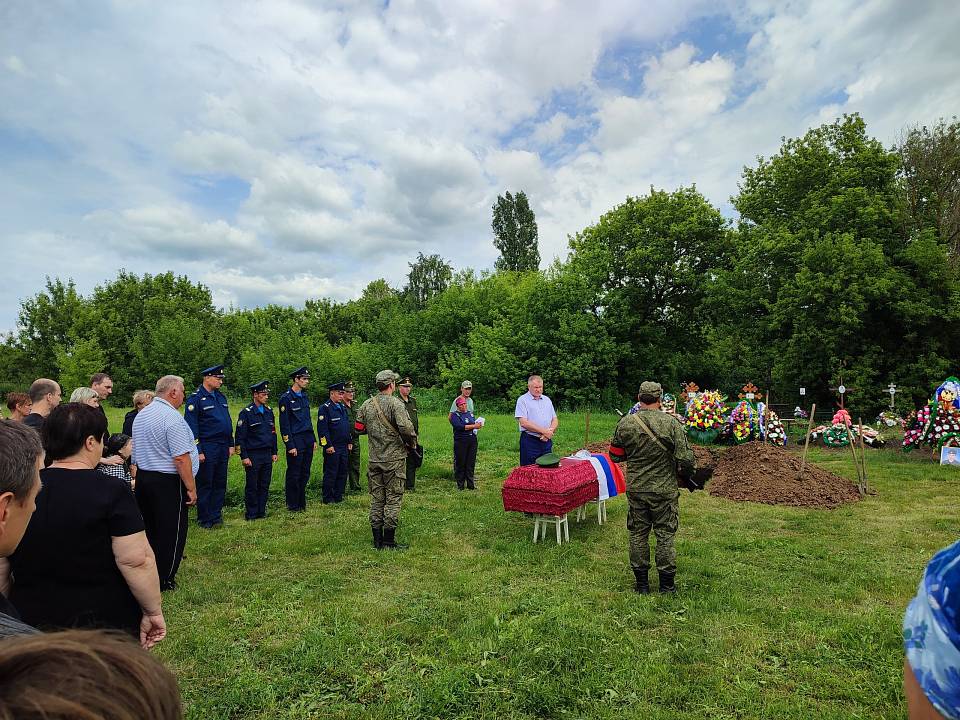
x=367, y=133
x=15, y=65
x=169, y=231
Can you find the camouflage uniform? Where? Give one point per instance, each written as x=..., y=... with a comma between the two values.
x=387, y=460
x=353, y=463
x=411, y=405
x=652, y=485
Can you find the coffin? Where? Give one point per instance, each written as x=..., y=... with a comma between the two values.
x=550, y=491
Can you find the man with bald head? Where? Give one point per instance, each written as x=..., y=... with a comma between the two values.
x=45, y=395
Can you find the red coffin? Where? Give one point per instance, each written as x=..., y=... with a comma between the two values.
x=550, y=491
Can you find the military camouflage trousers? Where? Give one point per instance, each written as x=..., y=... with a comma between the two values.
x=385, y=481
x=353, y=468
x=661, y=514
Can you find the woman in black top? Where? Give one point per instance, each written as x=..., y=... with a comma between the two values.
x=465, y=428
x=84, y=560
x=141, y=398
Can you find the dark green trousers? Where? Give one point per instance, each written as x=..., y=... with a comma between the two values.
x=353, y=468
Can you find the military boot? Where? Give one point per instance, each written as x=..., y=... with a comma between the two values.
x=666, y=582
x=378, y=538
x=643, y=581
x=390, y=540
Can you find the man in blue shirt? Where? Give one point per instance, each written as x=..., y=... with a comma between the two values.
x=257, y=445
x=296, y=431
x=208, y=416
x=333, y=433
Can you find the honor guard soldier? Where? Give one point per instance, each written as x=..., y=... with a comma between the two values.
x=208, y=416
x=296, y=430
x=353, y=462
x=257, y=445
x=389, y=433
x=655, y=449
x=410, y=403
x=333, y=434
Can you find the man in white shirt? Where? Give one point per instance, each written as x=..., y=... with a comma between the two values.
x=538, y=421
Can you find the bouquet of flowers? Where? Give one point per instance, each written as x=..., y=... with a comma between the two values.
x=705, y=416
x=890, y=419
x=799, y=413
x=745, y=422
x=938, y=422
x=776, y=434
x=836, y=436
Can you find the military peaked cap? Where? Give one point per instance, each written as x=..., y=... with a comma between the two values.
x=214, y=371
x=335, y=386
x=550, y=460
x=262, y=386
x=300, y=372
x=349, y=386
x=406, y=382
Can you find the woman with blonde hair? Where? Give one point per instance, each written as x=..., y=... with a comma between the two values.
x=85, y=395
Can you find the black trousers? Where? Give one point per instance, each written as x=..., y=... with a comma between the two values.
x=464, y=460
x=163, y=503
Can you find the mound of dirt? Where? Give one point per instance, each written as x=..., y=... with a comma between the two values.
x=755, y=472
x=599, y=447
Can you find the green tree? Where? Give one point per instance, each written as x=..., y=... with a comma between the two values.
x=429, y=276
x=822, y=275
x=77, y=361
x=646, y=266
x=930, y=182
x=515, y=233
x=48, y=321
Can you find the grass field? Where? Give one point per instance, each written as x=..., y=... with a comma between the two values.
x=781, y=613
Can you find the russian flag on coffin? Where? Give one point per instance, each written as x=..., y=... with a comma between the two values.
x=610, y=477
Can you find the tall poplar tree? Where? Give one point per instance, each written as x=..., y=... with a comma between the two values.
x=515, y=233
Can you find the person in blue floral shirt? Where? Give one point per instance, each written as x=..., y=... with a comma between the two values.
x=931, y=640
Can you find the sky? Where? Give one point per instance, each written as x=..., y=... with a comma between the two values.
x=279, y=151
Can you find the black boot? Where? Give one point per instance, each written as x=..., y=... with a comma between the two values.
x=377, y=538
x=643, y=581
x=666, y=582
x=390, y=540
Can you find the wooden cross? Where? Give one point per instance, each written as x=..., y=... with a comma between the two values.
x=842, y=390
x=750, y=391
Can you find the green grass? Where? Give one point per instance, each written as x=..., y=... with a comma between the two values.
x=782, y=613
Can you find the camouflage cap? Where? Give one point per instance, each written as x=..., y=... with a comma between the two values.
x=386, y=376
x=648, y=387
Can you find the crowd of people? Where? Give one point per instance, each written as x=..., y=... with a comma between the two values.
x=93, y=525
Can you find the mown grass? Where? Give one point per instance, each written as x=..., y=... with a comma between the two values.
x=782, y=613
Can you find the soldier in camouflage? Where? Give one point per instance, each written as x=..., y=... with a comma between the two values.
x=389, y=431
x=655, y=455
x=353, y=464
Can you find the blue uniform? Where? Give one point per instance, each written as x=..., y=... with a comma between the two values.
x=257, y=441
x=333, y=431
x=208, y=416
x=296, y=430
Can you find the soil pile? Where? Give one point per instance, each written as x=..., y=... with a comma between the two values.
x=599, y=447
x=755, y=472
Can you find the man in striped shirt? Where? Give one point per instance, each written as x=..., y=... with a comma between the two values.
x=165, y=453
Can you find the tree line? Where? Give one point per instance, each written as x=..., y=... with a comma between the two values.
x=843, y=262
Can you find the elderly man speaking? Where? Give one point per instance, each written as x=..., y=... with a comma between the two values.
x=538, y=421
x=165, y=453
